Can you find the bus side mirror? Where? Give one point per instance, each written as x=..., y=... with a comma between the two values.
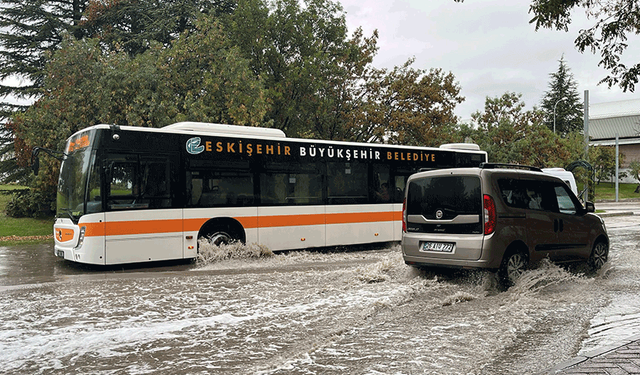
x=35, y=161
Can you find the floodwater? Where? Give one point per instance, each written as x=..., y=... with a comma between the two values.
x=357, y=312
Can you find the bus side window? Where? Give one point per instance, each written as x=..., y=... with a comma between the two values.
x=347, y=183
x=381, y=184
x=155, y=182
x=291, y=184
x=400, y=185
x=124, y=187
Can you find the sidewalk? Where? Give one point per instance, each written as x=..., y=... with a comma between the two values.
x=623, y=358
x=618, y=208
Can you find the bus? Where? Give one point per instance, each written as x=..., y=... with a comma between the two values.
x=133, y=194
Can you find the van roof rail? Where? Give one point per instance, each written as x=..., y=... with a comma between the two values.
x=509, y=166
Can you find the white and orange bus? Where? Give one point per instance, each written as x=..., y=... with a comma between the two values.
x=133, y=194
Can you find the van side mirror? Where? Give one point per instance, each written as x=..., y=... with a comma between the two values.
x=590, y=207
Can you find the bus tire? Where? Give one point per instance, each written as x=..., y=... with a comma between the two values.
x=220, y=238
x=222, y=231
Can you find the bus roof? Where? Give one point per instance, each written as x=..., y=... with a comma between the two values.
x=204, y=127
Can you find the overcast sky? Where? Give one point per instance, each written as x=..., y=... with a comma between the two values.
x=488, y=45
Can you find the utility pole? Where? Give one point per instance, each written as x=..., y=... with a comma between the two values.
x=586, y=138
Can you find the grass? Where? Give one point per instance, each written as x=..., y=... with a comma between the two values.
x=607, y=191
x=21, y=230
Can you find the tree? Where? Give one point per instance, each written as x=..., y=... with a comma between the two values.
x=603, y=159
x=312, y=70
x=562, y=102
x=511, y=135
x=608, y=36
x=131, y=25
x=412, y=106
x=634, y=168
x=614, y=20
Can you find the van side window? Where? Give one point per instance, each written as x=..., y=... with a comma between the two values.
x=565, y=204
x=530, y=195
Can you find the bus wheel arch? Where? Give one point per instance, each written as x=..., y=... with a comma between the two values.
x=222, y=231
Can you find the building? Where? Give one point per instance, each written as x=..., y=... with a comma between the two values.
x=621, y=118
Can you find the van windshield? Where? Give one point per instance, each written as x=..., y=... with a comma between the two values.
x=449, y=195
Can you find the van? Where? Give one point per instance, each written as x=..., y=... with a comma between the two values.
x=504, y=218
x=565, y=176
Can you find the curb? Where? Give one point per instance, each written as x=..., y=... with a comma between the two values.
x=611, y=214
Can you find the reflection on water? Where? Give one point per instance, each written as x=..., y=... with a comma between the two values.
x=36, y=263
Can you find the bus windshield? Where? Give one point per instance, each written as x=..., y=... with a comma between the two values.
x=72, y=182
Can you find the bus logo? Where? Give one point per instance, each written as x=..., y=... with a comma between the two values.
x=194, y=147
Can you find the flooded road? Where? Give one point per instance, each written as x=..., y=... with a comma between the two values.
x=359, y=312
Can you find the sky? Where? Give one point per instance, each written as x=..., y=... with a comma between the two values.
x=488, y=45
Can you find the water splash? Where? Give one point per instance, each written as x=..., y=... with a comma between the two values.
x=210, y=253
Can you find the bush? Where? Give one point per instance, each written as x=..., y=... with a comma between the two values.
x=31, y=203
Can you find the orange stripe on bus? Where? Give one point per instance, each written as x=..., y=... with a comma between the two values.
x=120, y=228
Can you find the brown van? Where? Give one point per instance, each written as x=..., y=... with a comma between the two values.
x=499, y=217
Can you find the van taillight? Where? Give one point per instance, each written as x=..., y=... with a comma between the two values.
x=404, y=215
x=489, y=215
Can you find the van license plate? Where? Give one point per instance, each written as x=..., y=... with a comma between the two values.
x=442, y=247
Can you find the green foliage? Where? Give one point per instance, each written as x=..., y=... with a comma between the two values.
x=562, y=102
x=32, y=31
x=131, y=26
x=603, y=159
x=30, y=203
x=312, y=70
x=510, y=134
x=412, y=106
x=634, y=168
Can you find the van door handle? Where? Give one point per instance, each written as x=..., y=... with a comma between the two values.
x=558, y=225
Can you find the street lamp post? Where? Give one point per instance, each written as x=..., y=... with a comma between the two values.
x=554, y=113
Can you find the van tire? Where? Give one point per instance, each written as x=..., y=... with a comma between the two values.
x=599, y=255
x=513, y=265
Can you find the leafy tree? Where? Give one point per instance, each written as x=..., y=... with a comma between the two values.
x=634, y=167
x=312, y=70
x=510, y=134
x=412, y=106
x=563, y=100
x=603, y=159
x=131, y=25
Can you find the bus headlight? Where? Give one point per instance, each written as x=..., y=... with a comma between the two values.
x=81, y=237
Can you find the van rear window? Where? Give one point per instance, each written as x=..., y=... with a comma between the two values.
x=453, y=195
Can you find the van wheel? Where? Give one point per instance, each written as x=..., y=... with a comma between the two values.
x=599, y=255
x=513, y=266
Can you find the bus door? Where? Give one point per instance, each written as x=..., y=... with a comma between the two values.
x=140, y=223
x=292, y=211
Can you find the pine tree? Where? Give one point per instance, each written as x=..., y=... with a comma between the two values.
x=562, y=102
